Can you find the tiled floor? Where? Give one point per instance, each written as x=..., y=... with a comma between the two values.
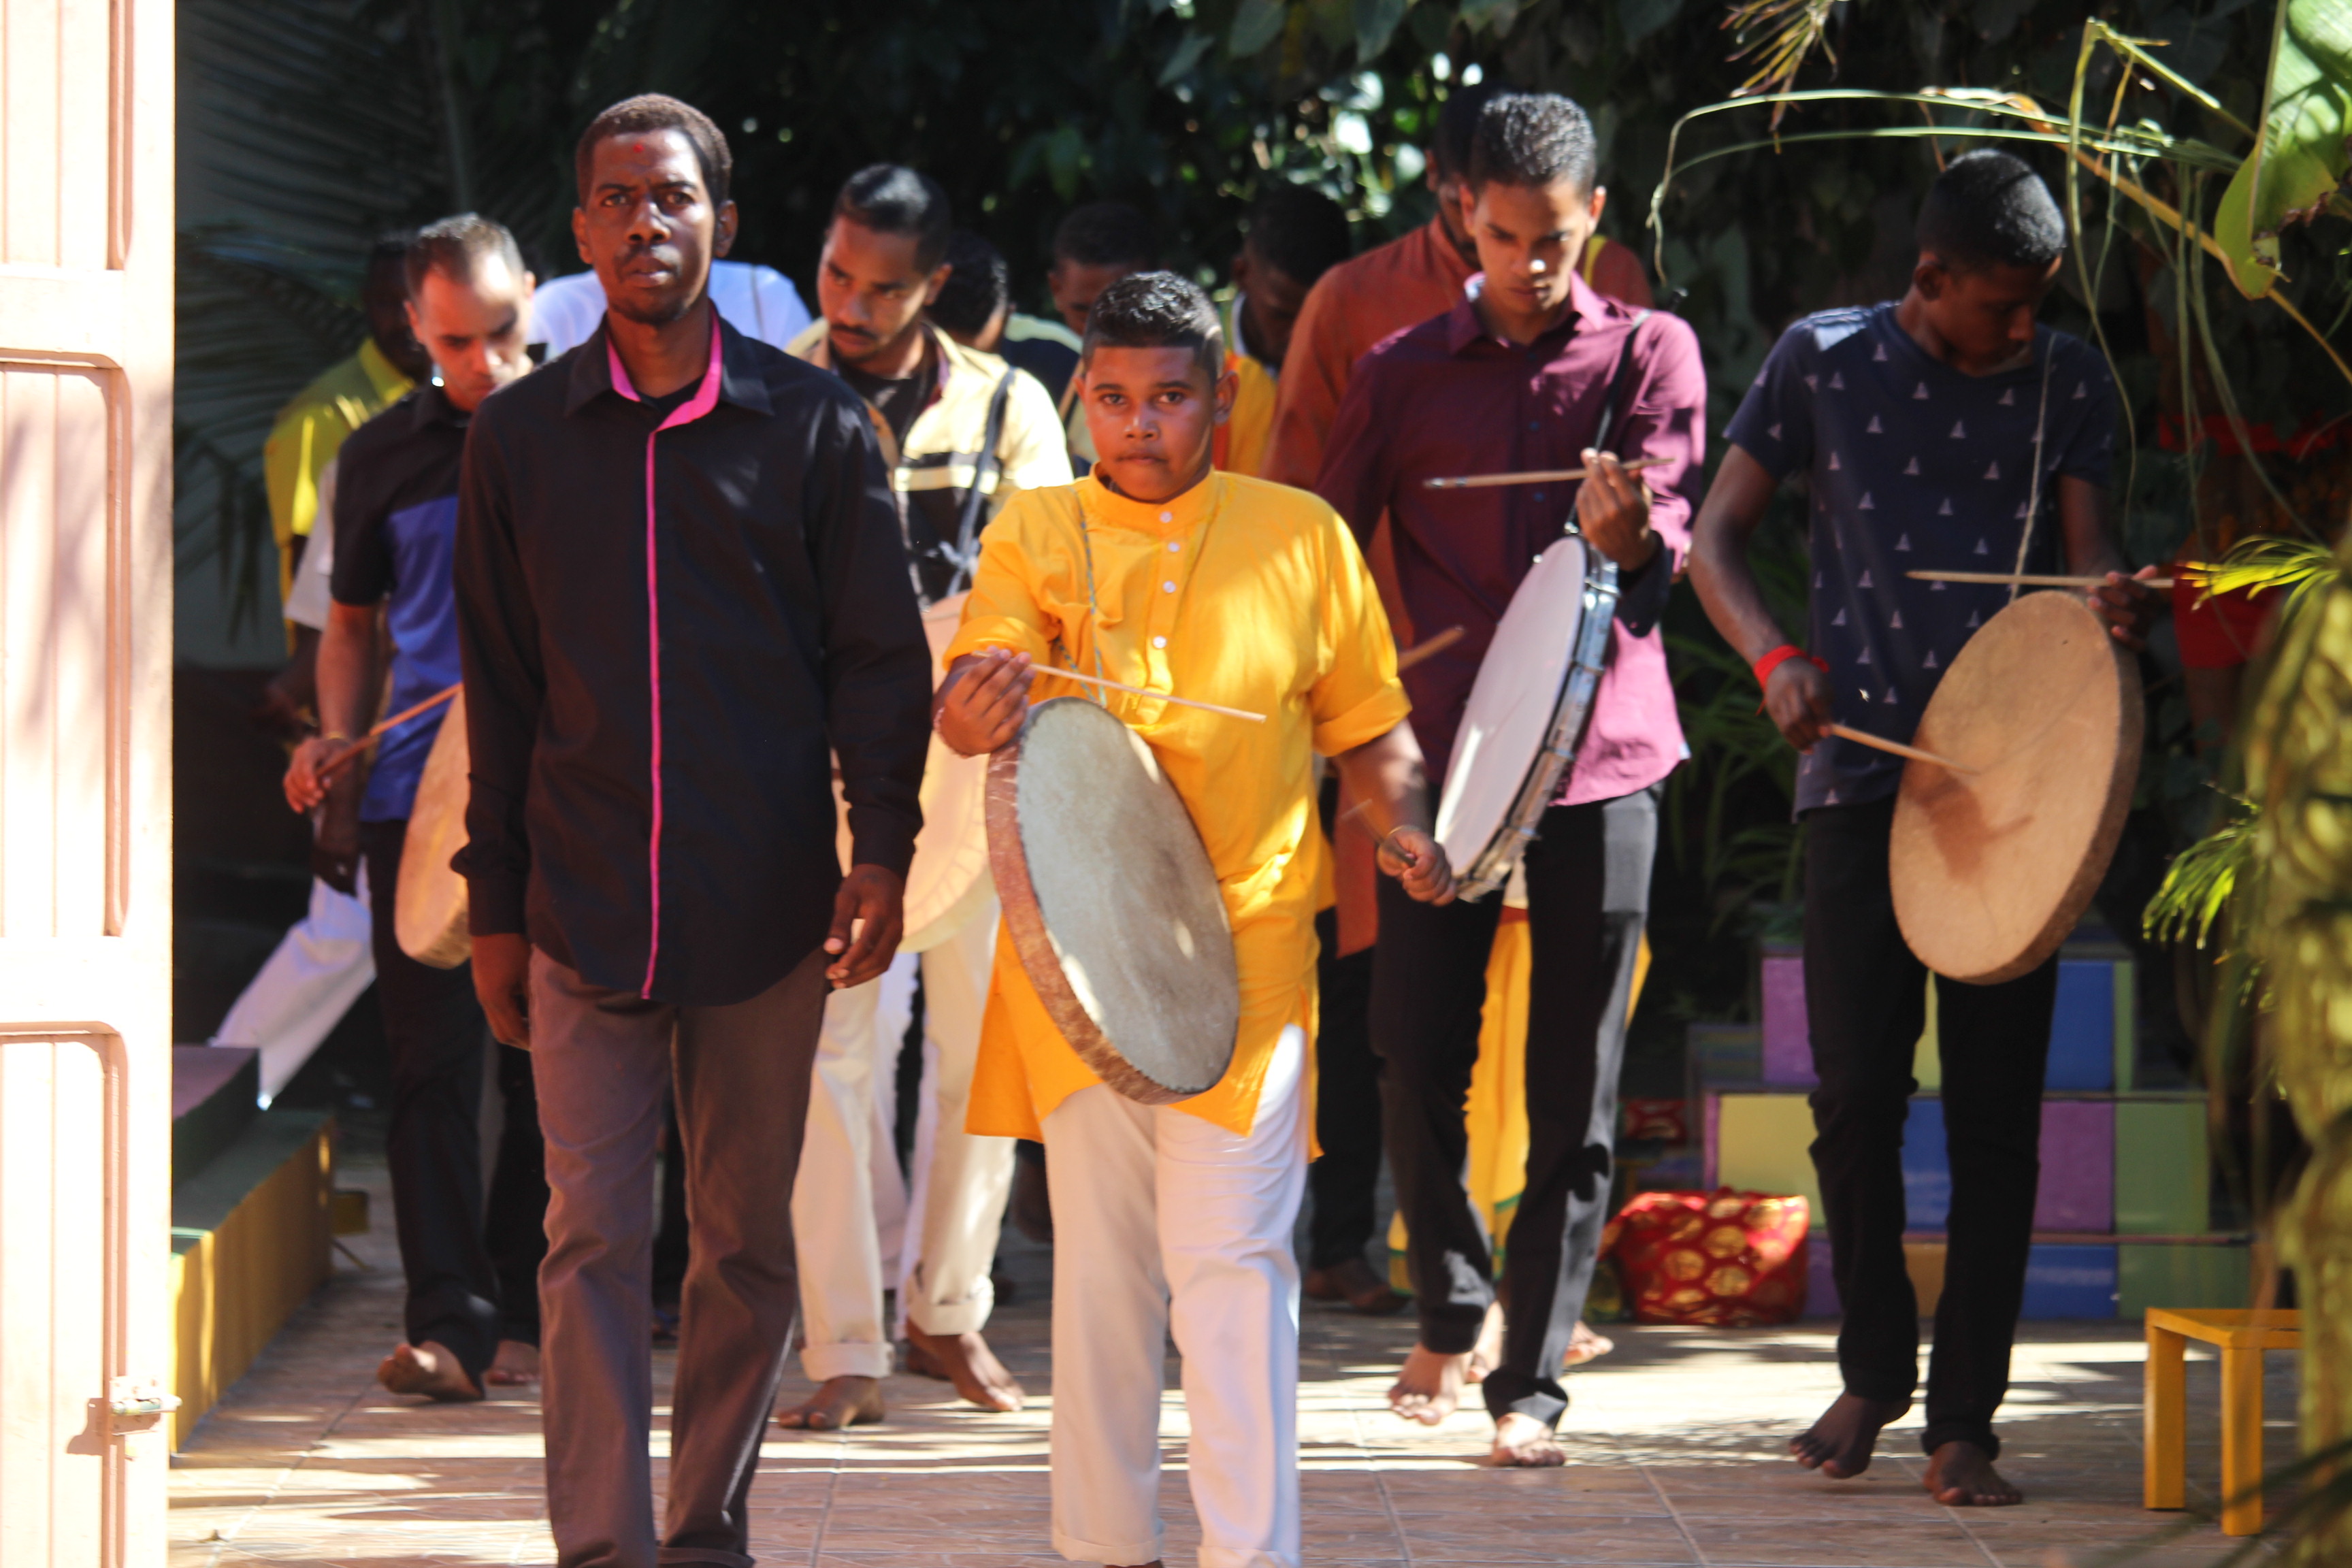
x=1676, y=1460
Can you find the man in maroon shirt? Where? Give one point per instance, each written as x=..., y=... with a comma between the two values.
x=1516, y=377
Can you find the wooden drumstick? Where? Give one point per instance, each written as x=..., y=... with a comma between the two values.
x=1407, y=657
x=1355, y=815
x=368, y=741
x=1880, y=742
x=1533, y=476
x=1155, y=696
x=2033, y=580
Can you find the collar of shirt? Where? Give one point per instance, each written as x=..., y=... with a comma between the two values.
x=1465, y=327
x=433, y=407
x=591, y=372
x=1176, y=515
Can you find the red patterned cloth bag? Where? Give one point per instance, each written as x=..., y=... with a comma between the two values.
x=1720, y=1259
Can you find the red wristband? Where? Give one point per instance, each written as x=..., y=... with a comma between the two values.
x=1780, y=656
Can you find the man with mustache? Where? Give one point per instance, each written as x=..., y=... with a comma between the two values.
x=681, y=591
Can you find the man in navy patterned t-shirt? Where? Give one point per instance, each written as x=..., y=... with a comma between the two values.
x=1945, y=431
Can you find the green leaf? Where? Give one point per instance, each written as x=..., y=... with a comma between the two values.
x=1376, y=23
x=2300, y=158
x=1256, y=23
x=1188, y=55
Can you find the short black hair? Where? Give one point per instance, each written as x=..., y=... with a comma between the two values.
x=1533, y=139
x=1103, y=234
x=659, y=111
x=1457, y=127
x=980, y=285
x=456, y=246
x=890, y=198
x=1299, y=231
x=1989, y=209
x=1156, y=310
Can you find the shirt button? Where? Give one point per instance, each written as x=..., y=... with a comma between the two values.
x=1167, y=517
x=1159, y=642
x=1539, y=495
x=1166, y=587
x=1535, y=424
x=1173, y=547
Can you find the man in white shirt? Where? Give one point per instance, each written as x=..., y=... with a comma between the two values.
x=757, y=301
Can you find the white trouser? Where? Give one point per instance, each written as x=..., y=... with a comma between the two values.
x=302, y=993
x=847, y=1196
x=1163, y=1223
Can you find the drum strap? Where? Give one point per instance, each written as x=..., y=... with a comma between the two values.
x=967, y=543
x=2034, y=484
x=1612, y=406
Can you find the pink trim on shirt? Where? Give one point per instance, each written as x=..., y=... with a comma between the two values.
x=704, y=399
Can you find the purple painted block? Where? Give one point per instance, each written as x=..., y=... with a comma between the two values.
x=1821, y=1286
x=2078, y=1167
x=1788, y=1039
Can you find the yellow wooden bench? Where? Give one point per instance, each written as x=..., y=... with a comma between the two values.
x=2242, y=1336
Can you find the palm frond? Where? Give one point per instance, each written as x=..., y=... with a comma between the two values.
x=1777, y=35
x=2203, y=878
x=2267, y=563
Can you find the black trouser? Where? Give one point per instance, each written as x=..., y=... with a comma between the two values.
x=1345, y=1180
x=471, y=1281
x=1587, y=894
x=1865, y=1000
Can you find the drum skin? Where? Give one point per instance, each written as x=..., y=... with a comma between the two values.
x=429, y=908
x=1526, y=713
x=1991, y=870
x=1111, y=903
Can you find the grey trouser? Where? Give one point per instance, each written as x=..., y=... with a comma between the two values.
x=741, y=1075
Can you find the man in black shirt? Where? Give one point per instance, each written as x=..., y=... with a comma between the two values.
x=473, y=1287
x=681, y=596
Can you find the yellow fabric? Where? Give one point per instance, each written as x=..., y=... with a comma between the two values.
x=1496, y=1115
x=1274, y=612
x=309, y=430
x=1249, y=428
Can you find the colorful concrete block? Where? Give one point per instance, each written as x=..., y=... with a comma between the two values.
x=2181, y=1274
x=2082, y=1026
x=1762, y=1145
x=2070, y=1281
x=1926, y=1172
x=2078, y=1166
x=2163, y=1176
x=1788, y=1039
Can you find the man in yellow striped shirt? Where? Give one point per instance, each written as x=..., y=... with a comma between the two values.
x=1162, y=573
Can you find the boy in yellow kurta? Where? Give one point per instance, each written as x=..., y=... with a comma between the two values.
x=1159, y=572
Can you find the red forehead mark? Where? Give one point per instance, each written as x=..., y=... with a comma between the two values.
x=638, y=147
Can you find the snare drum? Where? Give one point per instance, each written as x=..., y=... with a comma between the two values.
x=1527, y=714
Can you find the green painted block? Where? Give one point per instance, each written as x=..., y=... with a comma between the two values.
x=2179, y=1274
x=2126, y=1028
x=2163, y=1176
x=1927, y=1055
x=1763, y=1145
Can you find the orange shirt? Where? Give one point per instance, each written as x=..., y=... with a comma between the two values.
x=1236, y=592
x=1362, y=302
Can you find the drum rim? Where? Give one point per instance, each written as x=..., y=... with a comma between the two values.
x=1024, y=921
x=2067, y=911
x=1579, y=683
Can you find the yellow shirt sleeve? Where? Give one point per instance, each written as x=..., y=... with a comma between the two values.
x=1357, y=696
x=1004, y=608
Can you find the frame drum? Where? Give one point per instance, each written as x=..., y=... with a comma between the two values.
x=1111, y=903
x=1991, y=870
x=1527, y=714
x=429, y=908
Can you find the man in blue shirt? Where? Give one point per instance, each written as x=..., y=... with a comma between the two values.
x=472, y=1312
x=1948, y=430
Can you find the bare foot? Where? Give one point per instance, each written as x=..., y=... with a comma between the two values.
x=514, y=1366
x=965, y=1361
x=1430, y=1387
x=1838, y=1444
x=1587, y=1344
x=1960, y=1475
x=839, y=1402
x=1487, y=1353
x=429, y=1369
x=1353, y=1280
x=1522, y=1442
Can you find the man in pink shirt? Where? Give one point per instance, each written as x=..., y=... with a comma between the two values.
x=1527, y=373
